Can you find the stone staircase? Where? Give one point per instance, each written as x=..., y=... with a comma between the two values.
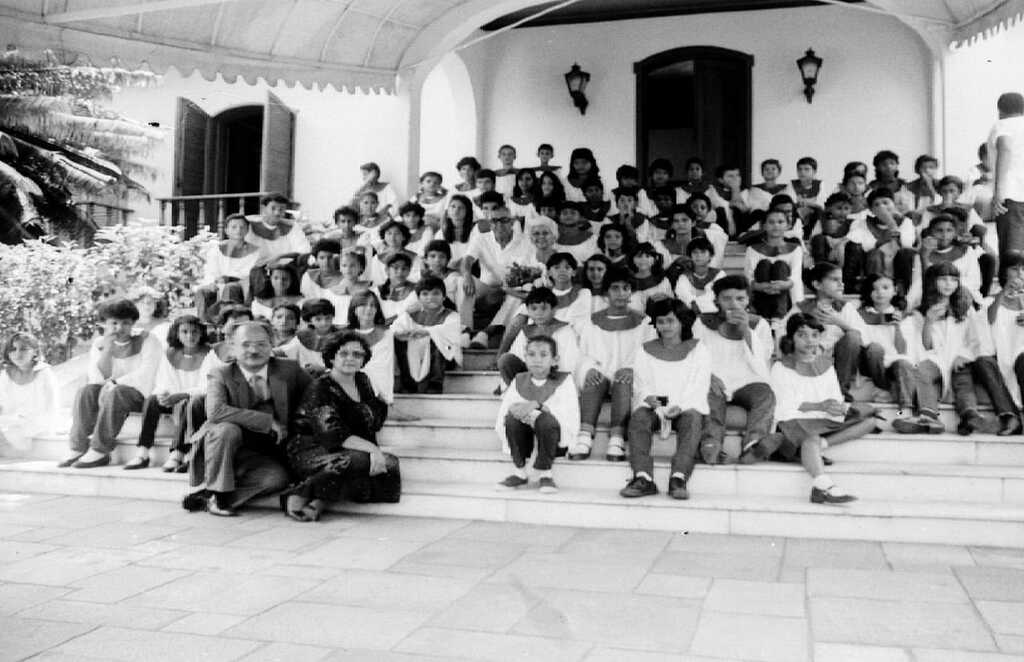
x=936, y=489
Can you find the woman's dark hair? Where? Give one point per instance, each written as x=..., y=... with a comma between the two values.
x=293, y=287
x=541, y=295
x=899, y=301
x=486, y=173
x=1005, y=262
x=448, y=227
x=855, y=168
x=313, y=307
x=796, y=322
x=617, y=274
x=406, y=232
x=117, y=309
x=19, y=336
x=338, y=341
x=628, y=238
x=438, y=246
x=596, y=257
x=558, y=190
x=818, y=272
x=583, y=153
x=361, y=299
x=669, y=306
x=172, y=333
x=517, y=190
x=959, y=302
x=647, y=248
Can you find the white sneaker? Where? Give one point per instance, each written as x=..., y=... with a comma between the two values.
x=616, y=449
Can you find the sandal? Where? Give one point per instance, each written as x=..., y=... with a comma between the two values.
x=297, y=514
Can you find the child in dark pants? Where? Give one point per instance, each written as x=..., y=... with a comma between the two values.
x=426, y=340
x=885, y=334
x=540, y=408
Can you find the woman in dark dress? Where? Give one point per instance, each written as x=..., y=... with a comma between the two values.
x=334, y=452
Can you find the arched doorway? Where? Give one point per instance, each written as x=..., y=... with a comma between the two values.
x=238, y=142
x=694, y=101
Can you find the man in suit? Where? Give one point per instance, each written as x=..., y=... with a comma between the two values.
x=250, y=405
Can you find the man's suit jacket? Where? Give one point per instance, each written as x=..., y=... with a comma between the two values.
x=229, y=398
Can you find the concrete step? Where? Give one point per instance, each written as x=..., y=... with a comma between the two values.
x=941, y=522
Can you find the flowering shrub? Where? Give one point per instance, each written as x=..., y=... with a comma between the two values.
x=52, y=291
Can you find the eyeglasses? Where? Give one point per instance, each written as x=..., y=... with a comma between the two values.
x=345, y=354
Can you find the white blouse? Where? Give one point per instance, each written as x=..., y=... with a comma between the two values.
x=793, y=389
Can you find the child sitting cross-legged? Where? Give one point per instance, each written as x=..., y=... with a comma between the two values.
x=608, y=345
x=671, y=379
x=694, y=287
x=885, y=331
x=181, y=374
x=540, y=308
x=307, y=346
x=425, y=340
x=540, y=408
x=809, y=409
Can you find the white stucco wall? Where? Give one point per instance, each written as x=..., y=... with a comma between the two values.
x=335, y=132
x=874, y=88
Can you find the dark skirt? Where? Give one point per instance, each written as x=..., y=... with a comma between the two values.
x=345, y=476
x=797, y=430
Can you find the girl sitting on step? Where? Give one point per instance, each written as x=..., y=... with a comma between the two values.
x=28, y=394
x=885, y=334
x=809, y=407
x=539, y=408
x=180, y=375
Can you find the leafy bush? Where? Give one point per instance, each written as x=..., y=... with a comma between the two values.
x=52, y=291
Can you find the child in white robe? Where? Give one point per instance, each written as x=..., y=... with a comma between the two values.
x=427, y=339
x=540, y=408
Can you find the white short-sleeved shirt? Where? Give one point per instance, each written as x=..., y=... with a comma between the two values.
x=1012, y=128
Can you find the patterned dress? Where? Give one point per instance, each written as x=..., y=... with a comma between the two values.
x=327, y=416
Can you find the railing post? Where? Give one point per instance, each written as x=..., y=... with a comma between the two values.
x=178, y=213
x=163, y=212
x=200, y=220
x=222, y=206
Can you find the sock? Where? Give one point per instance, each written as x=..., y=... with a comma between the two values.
x=546, y=473
x=584, y=438
x=823, y=482
x=645, y=475
x=679, y=474
x=519, y=472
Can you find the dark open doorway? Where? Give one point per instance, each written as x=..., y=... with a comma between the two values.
x=694, y=101
x=238, y=141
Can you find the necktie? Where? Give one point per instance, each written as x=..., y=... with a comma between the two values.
x=259, y=388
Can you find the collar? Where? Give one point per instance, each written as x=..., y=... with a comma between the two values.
x=716, y=322
x=764, y=248
x=677, y=353
x=809, y=305
x=264, y=231
x=262, y=372
x=816, y=368
x=631, y=320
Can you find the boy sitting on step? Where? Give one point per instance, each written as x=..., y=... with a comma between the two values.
x=540, y=308
x=539, y=408
x=741, y=344
x=307, y=346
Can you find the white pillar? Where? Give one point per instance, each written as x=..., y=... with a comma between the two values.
x=410, y=88
x=938, y=139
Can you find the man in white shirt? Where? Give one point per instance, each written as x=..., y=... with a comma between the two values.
x=275, y=237
x=496, y=251
x=1006, y=144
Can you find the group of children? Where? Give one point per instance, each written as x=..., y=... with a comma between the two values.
x=595, y=294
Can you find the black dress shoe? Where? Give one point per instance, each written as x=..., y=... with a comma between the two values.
x=638, y=487
x=64, y=464
x=677, y=488
x=827, y=461
x=1011, y=425
x=137, y=463
x=216, y=505
x=194, y=502
x=969, y=424
x=101, y=462
x=826, y=496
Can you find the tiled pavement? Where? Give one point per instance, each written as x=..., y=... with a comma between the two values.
x=110, y=579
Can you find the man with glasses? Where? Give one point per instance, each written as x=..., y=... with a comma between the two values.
x=250, y=405
x=496, y=251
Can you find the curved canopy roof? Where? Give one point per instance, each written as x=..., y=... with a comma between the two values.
x=346, y=43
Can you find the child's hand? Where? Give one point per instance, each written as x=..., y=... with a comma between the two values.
x=652, y=401
x=937, y=312
x=834, y=407
x=929, y=244
x=522, y=410
x=959, y=363
x=624, y=376
x=673, y=411
x=740, y=318
x=593, y=378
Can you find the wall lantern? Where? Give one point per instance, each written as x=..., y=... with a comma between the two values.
x=576, y=80
x=809, y=65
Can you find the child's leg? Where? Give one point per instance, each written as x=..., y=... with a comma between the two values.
x=810, y=456
x=929, y=386
x=151, y=411
x=872, y=365
x=115, y=405
x=688, y=429
x=985, y=371
x=903, y=268
x=520, y=440
x=642, y=424
x=515, y=325
x=1018, y=370
x=854, y=259
x=85, y=411
x=510, y=365
x=759, y=401
x=780, y=271
x=764, y=303
x=434, y=381
x=846, y=353
x=548, y=432
x=196, y=418
x=902, y=376
x=406, y=384
x=591, y=400
x=714, y=425
x=622, y=395
x=987, y=264
x=965, y=400
x=821, y=251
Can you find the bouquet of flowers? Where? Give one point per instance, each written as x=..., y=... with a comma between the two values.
x=520, y=277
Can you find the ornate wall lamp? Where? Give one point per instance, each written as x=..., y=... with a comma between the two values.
x=809, y=66
x=576, y=80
